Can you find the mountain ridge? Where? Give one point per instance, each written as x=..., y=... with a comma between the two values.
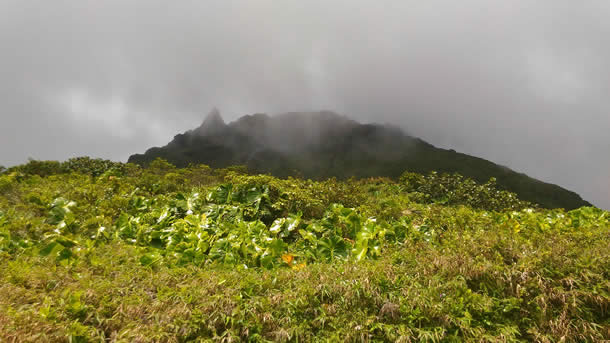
x=324, y=144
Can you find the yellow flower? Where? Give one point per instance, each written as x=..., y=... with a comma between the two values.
x=287, y=258
x=298, y=266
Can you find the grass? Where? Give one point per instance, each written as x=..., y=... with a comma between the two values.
x=457, y=273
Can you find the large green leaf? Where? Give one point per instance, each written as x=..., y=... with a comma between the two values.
x=221, y=194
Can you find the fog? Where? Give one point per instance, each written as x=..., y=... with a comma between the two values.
x=522, y=83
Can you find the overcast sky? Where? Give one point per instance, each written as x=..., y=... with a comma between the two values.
x=522, y=83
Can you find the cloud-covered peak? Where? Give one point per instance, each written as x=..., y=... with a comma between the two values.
x=212, y=124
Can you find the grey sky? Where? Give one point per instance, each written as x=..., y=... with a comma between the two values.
x=523, y=83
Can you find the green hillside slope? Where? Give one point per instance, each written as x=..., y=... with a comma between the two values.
x=320, y=145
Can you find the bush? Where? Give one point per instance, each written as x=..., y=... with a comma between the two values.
x=454, y=189
x=82, y=165
x=6, y=183
x=93, y=167
x=42, y=168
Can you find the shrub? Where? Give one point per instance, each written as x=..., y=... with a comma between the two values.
x=454, y=189
x=42, y=168
x=94, y=167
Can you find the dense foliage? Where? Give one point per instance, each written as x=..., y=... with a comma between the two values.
x=94, y=250
x=82, y=165
x=457, y=190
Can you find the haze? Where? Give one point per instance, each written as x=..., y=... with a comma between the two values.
x=522, y=83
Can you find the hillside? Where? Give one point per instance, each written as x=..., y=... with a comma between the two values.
x=100, y=251
x=320, y=145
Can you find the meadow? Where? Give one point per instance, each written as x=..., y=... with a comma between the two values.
x=100, y=251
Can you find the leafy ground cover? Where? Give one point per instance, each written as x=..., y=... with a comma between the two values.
x=94, y=250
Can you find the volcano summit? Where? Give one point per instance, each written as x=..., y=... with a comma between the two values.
x=324, y=144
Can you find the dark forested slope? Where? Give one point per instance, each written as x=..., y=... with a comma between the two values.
x=320, y=145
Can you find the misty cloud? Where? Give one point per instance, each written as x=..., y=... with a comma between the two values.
x=522, y=83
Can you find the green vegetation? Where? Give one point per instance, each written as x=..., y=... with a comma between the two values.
x=94, y=250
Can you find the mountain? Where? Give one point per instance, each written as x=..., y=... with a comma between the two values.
x=320, y=145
